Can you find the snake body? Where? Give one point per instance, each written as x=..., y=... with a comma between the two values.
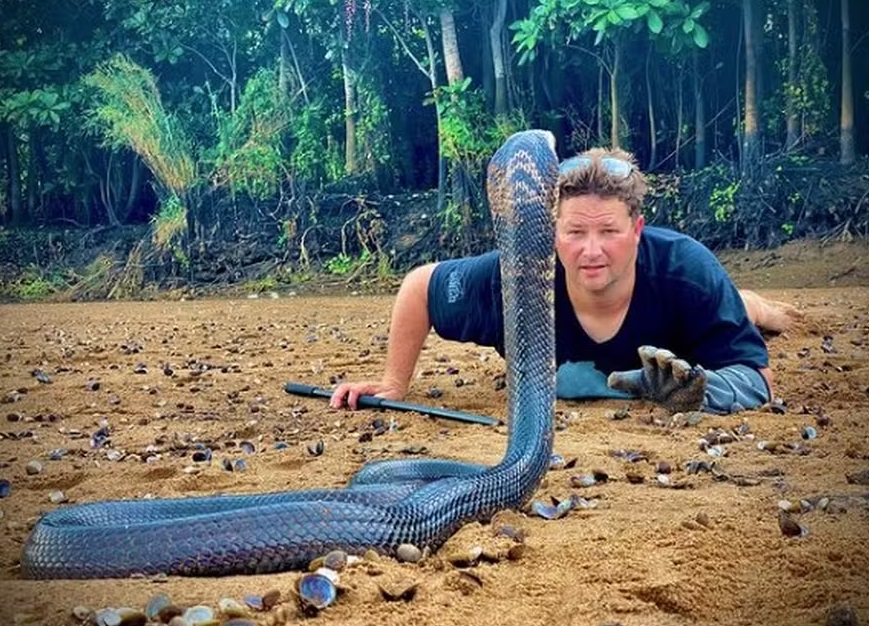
x=236, y=534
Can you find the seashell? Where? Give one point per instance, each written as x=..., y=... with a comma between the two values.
x=516, y=551
x=57, y=497
x=131, y=617
x=199, y=614
x=107, y=617
x=202, y=456
x=328, y=573
x=316, y=449
x=231, y=608
x=271, y=599
x=808, y=432
x=408, y=553
x=398, y=589
x=168, y=613
x=789, y=527
x=247, y=447
x=578, y=502
x=465, y=558
x=254, y=602
x=238, y=621
x=156, y=603
x=5, y=488
x=178, y=621
x=316, y=592
x=240, y=465
x=583, y=480
x=508, y=530
x=82, y=613
x=57, y=454
x=546, y=511
x=335, y=560
x=556, y=461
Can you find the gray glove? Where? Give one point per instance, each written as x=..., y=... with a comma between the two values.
x=665, y=379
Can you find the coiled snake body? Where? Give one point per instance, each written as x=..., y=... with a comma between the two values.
x=219, y=535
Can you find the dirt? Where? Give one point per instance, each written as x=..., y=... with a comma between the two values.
x=710, y=552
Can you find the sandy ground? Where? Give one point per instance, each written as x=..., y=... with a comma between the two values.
x=711, y=552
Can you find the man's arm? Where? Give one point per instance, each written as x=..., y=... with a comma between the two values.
x=407, y=333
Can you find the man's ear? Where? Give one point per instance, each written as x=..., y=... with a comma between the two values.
x=639, y=222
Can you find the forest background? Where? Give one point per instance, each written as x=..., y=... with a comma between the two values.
x=148, y=145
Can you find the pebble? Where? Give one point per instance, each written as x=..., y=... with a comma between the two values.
x=408, y=553
x=57, y=497
x=788, y=526
x=81, y=612
x=841, y=614
x=33, y=467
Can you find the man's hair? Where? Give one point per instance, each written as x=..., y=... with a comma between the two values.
x=594, y=179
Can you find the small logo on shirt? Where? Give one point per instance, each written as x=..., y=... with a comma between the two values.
x=455, y=287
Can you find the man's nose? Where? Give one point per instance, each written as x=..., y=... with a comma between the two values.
x=592, y=245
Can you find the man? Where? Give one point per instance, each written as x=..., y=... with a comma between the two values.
x=628, y=300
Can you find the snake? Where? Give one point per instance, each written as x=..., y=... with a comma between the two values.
x=421, y=502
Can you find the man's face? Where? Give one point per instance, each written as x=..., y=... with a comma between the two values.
x=596, y=240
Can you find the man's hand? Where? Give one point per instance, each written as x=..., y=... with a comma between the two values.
x=347, y=394
x=665, y=379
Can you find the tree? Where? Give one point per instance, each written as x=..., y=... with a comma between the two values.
x=846, y=121
x=751, y=130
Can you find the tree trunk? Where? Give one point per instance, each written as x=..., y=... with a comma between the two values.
x=653, y=131
x=699, y=116
x=600, y=135
x=452, y=58
x=846, y=123
x=680, y=114
x=792, y=119
x=751, y=137
x=614, y=96
x=135, y=184
x=349, y=116
x=32, y=175
x=283, y=64
x=496, y=36
x=15, y=204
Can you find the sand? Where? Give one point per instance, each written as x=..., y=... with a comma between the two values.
x=710, y=552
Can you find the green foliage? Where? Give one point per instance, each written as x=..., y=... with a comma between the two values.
x=468, y=133
x=343, y=264
x=314, y=156
x=372, y=125
x=248, y=156
x=170, y=223
x=676, y=20
x=36, y=283
x=37, y=107
x=128, y=112
x=722, y=201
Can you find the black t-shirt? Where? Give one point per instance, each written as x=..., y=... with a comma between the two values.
x=683, y=301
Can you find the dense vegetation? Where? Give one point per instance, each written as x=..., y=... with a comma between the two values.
x=275, y=134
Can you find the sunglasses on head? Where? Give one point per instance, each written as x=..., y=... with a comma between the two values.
x=618, y=168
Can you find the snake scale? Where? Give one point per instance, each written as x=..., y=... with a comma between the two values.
x=242, y=534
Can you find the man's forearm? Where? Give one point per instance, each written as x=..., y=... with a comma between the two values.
x=409, y=328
